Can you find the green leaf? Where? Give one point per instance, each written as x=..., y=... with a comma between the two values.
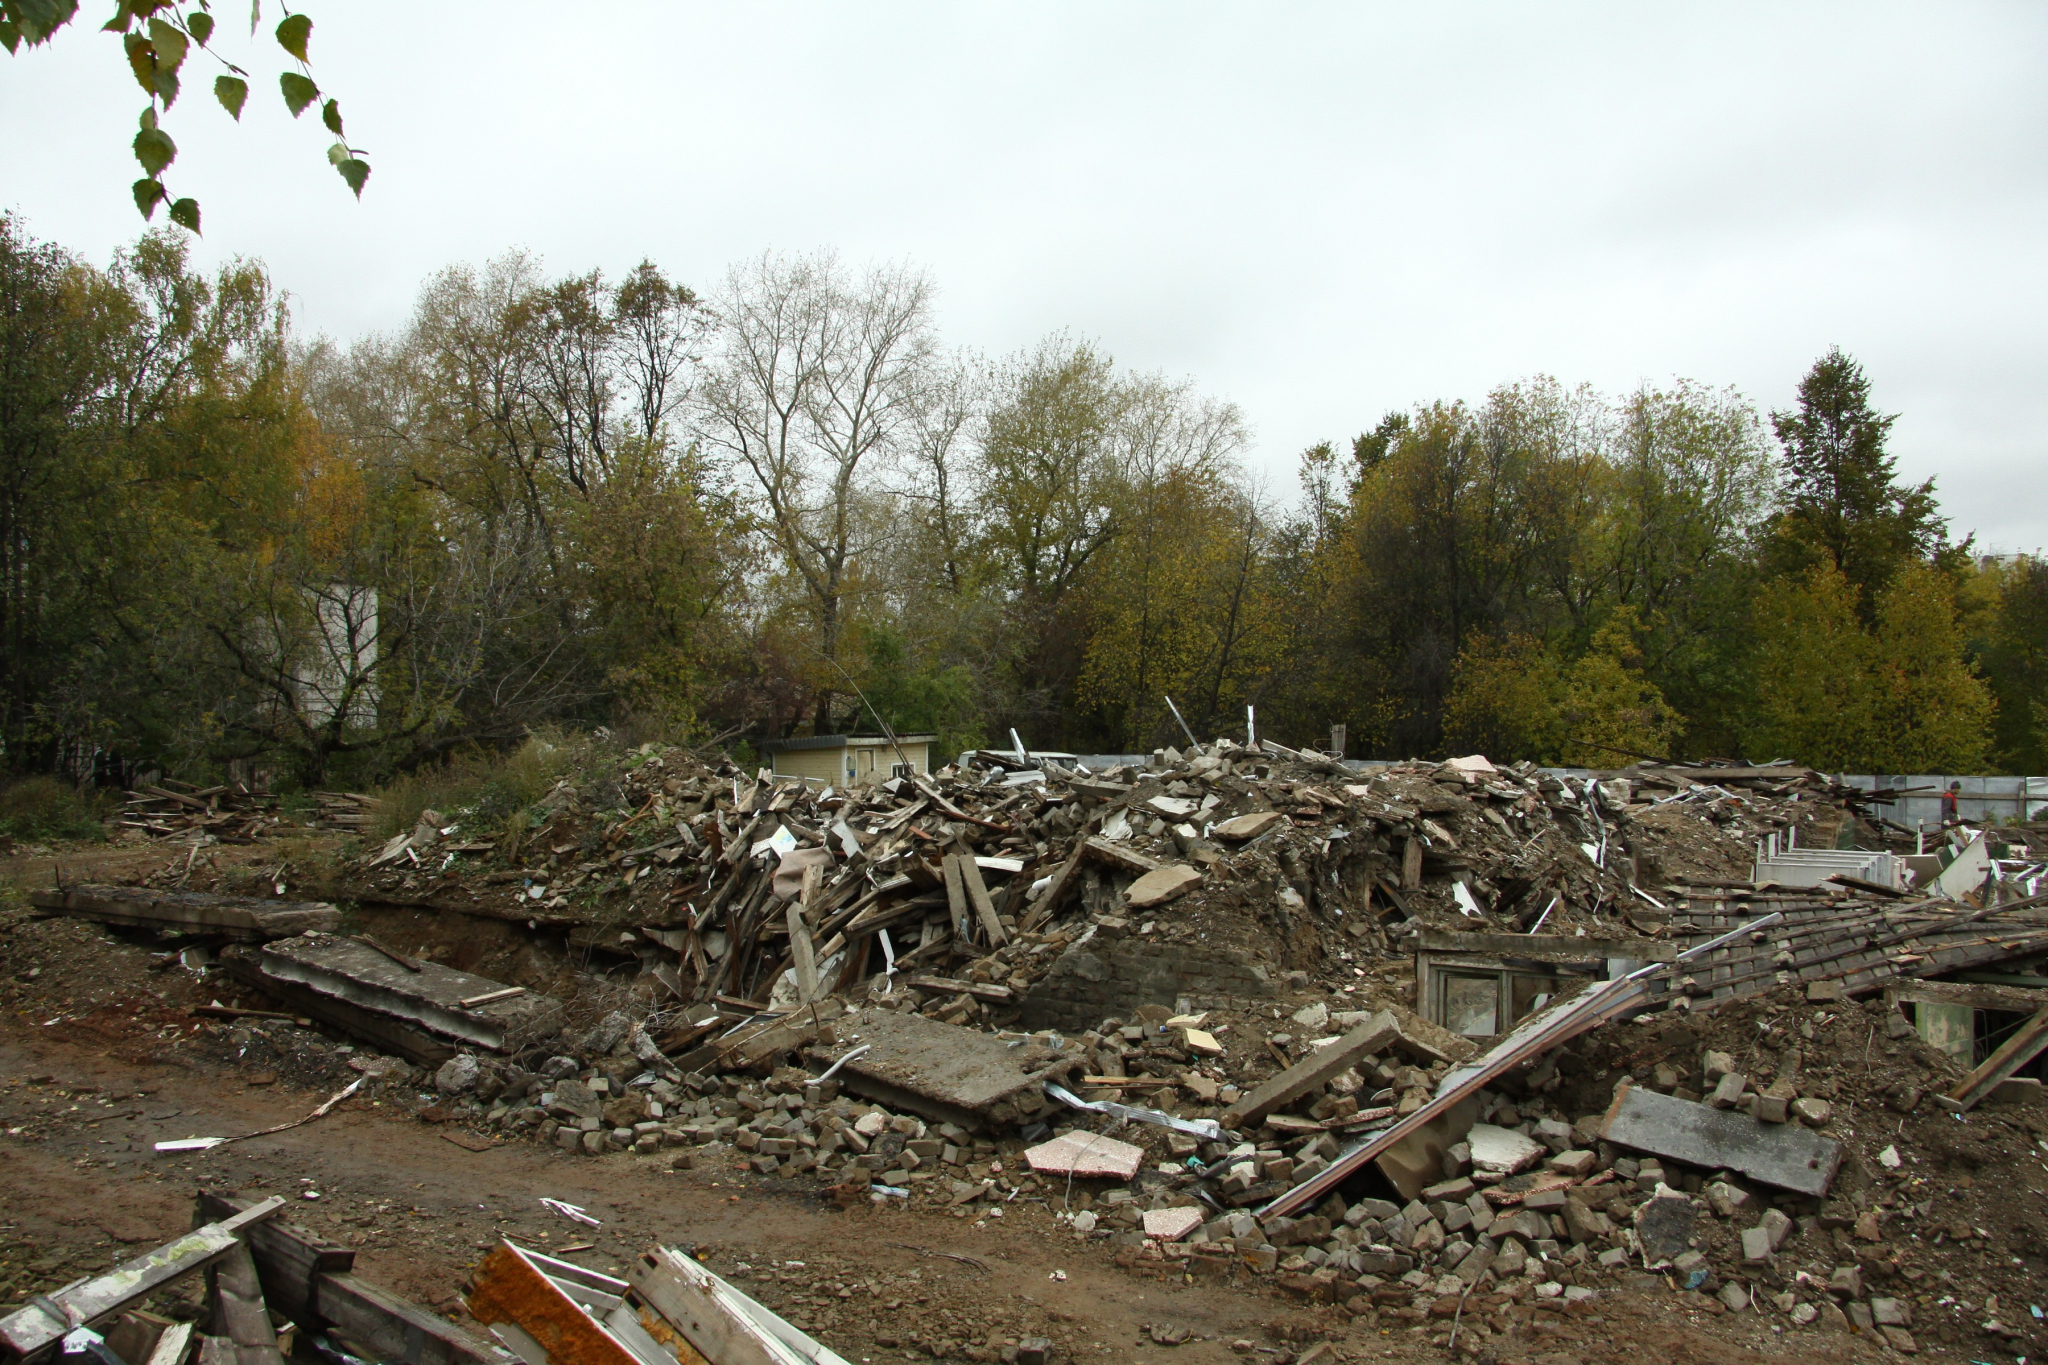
x=200, y=26
x=355, y=172
x=338, y=153
x=148, y=119
x=167, y=86
x=298, y=92
x=38, y=19
x=170, y=44
x=232, y=92
x=10, y=36
x=124, y=16
x=330, y=114
x=147, y=193
x=142, y=61
x=293, y=33
x=155, y=150
x=185, y=213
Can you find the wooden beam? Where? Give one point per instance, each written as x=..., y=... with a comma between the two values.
x=984, y=907
x=2014, y=999
x=956, y=894
x=2027, y=1043
x=397, y=1329
x=709, y=1314
x=800, y=950
x=287, y=1257
x=239, y=1313
x=90, y=1301
x=1549, y=947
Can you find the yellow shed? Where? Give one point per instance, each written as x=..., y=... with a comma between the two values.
x=849, y=760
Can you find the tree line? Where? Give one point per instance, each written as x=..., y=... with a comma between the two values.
x=784, y=505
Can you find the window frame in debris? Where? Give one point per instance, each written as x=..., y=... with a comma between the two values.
x=1435, y=971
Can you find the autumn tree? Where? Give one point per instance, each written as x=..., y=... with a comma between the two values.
x=810, y=400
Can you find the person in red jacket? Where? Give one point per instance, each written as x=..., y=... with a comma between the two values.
x=1950, y=814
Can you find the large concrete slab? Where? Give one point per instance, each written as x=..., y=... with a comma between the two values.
x=953, y=1074
x=356, y=979
x=1782, y=1154
x=248, y=919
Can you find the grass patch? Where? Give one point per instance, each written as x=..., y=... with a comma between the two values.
x=485, y=793
x=37, y=809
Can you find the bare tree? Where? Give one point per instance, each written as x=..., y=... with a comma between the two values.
x=810, y=394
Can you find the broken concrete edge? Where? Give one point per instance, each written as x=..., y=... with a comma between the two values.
x=945, y=1072
x=1788, y=1156
x=248, y=919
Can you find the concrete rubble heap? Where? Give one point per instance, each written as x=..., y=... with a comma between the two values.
x=1189, y=1005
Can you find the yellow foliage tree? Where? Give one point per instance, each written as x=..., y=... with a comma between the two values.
x=1505, y=698
x=1899, y=697
x=1610, y=711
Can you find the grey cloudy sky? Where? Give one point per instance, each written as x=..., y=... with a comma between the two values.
x=1319, y=211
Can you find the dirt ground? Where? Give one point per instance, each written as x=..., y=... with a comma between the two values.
x=100, y=1058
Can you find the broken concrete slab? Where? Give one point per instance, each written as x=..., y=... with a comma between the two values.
x=943, y=1071
x=356, y=987
x=1502, y=1151
x=1320, y=1067
x=1161, y=885
x=1086, y=1156
x=1171, y=1225
x=1242, y=827
x=1416, y=1162
x=246, y=919
x=1782, y=1154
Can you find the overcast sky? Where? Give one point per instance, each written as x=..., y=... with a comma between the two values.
x=1320, y=212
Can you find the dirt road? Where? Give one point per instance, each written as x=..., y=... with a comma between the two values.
x=82, y=1188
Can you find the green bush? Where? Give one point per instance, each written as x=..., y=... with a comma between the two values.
x=484, y=792
x=39, y=808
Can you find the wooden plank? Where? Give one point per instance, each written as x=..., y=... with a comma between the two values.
x=718, y=1319
x=2026, y=1043
x=984, y=907
x=90, y=1301
x=1048, y=903
x=956, y=894
x=1411, y=864
x=396, y=1329
x=1782, y=1154
x=1317, y=1069
x=287, y=1257
x=239, y=1313
x=2015, y=999
x=171, y=1345
x=800, y=950
x=1550, y=947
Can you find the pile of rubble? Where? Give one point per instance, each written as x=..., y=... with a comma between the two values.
x=1220, y=1011
x=232, y=813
